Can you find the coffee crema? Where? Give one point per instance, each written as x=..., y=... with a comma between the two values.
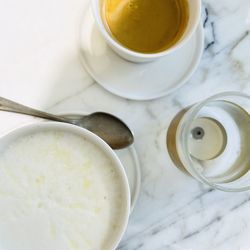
x=146, y=26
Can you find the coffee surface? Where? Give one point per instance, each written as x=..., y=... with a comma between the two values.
x=146, y=26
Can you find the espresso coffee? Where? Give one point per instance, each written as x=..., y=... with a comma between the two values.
x=146, y=26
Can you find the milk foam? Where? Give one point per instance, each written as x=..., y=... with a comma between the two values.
x=57, y=192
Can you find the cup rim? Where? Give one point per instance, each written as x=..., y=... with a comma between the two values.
x=99, y=143
x=187, y=127
x=120, y=47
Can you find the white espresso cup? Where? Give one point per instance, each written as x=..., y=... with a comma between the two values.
x=133, y=56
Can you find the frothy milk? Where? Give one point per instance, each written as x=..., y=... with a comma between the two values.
x=57, y=192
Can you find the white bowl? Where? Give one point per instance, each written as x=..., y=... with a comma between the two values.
x=12, y=136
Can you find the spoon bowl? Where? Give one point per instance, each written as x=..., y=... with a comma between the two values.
x=110, y=128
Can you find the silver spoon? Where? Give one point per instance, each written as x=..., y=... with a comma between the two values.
x=110, y=128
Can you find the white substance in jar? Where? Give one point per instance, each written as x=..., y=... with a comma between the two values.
x=57, y=192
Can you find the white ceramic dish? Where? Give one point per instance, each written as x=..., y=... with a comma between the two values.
x=128, y=157
x=12, y=136
x=136, y=81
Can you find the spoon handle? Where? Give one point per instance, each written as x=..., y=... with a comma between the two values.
x=8, y=105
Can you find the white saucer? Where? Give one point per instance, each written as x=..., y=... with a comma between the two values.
x=136, y=81
x=130, y=162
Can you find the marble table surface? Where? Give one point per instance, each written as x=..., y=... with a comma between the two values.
x=40, y=67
